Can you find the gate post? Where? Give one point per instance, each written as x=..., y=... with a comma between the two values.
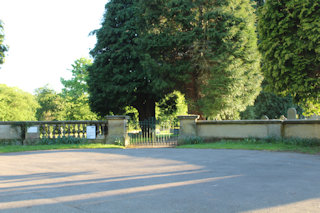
x=32, y=134
x=117, y=130
x=188, y=127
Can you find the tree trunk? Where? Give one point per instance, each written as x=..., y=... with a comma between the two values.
x=192, y=95
x=147, y=114
x=146, y=109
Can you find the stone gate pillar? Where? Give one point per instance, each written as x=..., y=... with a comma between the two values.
x=117, y=130
x=188, y=127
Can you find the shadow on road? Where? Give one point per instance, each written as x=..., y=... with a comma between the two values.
x=158, y=180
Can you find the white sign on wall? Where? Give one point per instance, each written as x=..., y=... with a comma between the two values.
x=32, y=129
x=91, y=132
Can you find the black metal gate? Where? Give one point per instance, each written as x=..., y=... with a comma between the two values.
x=154, y=133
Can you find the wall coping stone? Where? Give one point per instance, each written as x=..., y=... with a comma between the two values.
x=204, y=122
x=118, y=117
x=296, y=121
x=51, y=122
x=273, y=121
x=188, y=117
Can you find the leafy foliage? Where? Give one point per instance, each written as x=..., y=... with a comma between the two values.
x=290, y=34
x=52, y=105
x=270, y=105
x=258, y=3
x=310, y=108
x=78, y=108
x=75, y=92
x=77, y=85
x=171, y=106
x=3, y=48
x=16, y=105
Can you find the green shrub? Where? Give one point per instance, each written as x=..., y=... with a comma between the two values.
x=305, y=142
x=119, y=142
x=191, y=140
x=63, y=140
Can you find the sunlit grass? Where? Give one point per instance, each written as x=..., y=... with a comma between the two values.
x=256, y=145
x=19, y=148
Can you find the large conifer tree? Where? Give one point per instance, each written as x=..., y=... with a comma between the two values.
x=210, y=49
x=290, y=44
x=121, y=75
x=205, y=49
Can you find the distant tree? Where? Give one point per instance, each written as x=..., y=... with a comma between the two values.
x=52, y=105
x=75, y=92
x=78, y=109
x=77, y=86
x=3, y=48
x=289, y=36
x=16, y=105
x=120, y=75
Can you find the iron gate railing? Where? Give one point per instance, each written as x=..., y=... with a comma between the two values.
x=153, y=132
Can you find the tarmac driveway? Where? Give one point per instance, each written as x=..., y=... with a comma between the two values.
x=159, y=180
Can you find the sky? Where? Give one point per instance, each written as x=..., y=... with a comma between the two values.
x=45, y=37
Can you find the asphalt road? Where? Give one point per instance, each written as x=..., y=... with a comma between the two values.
x=159, y=180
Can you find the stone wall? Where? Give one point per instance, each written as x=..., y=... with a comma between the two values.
x=10, y=132
x=213, y=130
x=238, y=129
x=301, y=129
x=29, y=132
x=189, y=126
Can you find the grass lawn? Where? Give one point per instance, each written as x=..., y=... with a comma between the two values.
x=19, y=148
x=286, y=146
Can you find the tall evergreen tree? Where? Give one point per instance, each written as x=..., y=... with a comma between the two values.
x=290, y=44
x=209, y=52
x=119, y=75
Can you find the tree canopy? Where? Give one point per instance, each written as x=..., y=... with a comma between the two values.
x=75, y=92
x=147, y=49
x=208, y=49
x=3, y=47
x=77, y=85
x=52, y=105
x=271, y=105
x=289, y=36
x=16, y=105
x=118, y=76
